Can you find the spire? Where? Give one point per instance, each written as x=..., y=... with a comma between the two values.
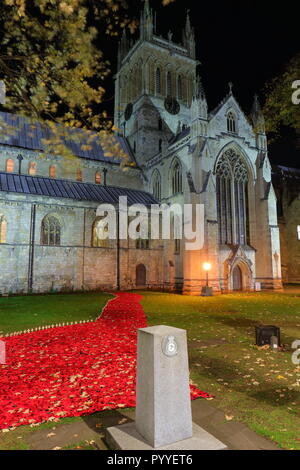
x=124, y=47
x=188, y=28
x=146, y=22
x=188, y=37
x=199, y=92
x=230, y=84
x=257, y=116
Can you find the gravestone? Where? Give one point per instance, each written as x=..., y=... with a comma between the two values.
x=163, y=402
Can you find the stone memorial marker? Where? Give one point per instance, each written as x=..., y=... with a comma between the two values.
x=163, y=402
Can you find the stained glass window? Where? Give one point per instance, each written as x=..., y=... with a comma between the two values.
x=232, y=199
x=50, y=231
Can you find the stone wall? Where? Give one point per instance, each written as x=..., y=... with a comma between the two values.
x=75, y=264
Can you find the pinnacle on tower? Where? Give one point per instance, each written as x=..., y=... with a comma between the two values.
x=199, y=92
x=146, y=22
x=189, y=37
x=257, y=116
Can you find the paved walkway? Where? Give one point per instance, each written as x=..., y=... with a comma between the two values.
x=91, y=428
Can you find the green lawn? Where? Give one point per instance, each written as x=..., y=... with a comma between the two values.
x=21, y=313
x=258, y=387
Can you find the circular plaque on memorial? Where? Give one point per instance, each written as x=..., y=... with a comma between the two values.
x=169, y=346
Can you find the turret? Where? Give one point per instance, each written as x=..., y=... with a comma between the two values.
x=198, y=110
x=259, y=125
x=188, y=37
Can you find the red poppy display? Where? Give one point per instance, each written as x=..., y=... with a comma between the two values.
x=75, y=369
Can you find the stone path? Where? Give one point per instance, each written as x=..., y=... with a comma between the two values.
x=91, y=428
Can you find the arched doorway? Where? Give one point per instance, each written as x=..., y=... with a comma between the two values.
x=140, y=279
x=237, y=278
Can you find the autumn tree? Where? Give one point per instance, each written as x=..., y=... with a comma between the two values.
x=51, y=65
x=282, y=107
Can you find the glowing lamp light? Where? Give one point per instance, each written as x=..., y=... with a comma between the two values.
x=206, y=266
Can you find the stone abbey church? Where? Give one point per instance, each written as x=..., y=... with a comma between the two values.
x=181, y=153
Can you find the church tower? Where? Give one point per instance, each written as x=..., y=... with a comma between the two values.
x=154, y=87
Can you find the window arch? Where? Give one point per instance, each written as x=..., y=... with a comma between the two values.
x=231, y=123
x=52, y=171
x=9, y=165
x=50, y=231
x=156, y=185
x=169, y=84
x=160, y=145
x=32, y=168
x=158, y=81
x=232, y=199
x=3, y=228
x=143, y=243
x=98, y=177
x=99, y=232
x=179, y=87
x=79, y=174
x=176, y=178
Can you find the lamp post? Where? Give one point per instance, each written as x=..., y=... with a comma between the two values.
x=206, y=291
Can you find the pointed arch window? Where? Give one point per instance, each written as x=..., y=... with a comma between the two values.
x=232, y=199
x=32, y=168
x=179, y=87
x=3, y=228
x=79, y=174
x=176, y=178
x=169, y=84
x=158, y=81
x=50, y=231
x=97, y=177
x=156, y=185
x=52, y=171
x=10, y=165
x=143, y=243
x=100, y=238
x=231, y=123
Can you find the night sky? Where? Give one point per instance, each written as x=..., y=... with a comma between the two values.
x=243, y=41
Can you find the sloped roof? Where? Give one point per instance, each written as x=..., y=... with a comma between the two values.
x=185, y=132
x=29, y=135
x=41, y=186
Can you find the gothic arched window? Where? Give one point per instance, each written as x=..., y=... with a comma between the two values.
x=232, y=199
x=52, y=171
x=231, y=123
x=158, y=81
x=169, y=84
x=99, y=234
x=143, y=243
x=179, y=87
x=98, y=177
x=156, y=185
x=32, y=168
x=3, y=228
x=79, y=174
x=176, y=178
x=50, y=231
x=10, y=165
